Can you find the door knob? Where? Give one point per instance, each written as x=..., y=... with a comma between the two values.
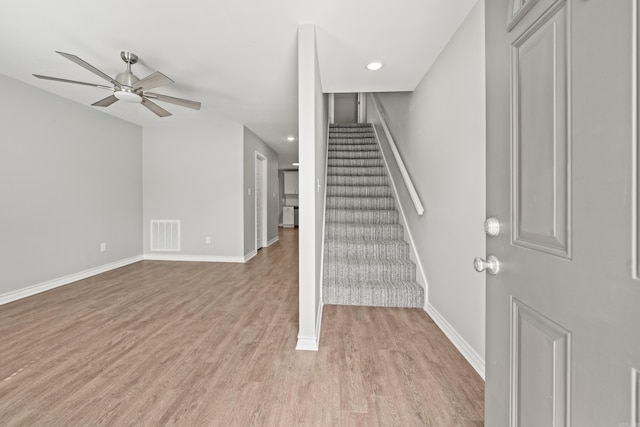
x=491, y=265
x=492, y=226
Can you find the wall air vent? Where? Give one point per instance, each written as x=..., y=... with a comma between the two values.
x=165, y=235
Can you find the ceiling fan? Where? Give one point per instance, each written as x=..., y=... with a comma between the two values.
x=127, y=87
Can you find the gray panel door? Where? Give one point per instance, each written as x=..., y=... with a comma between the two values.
x=563, y=311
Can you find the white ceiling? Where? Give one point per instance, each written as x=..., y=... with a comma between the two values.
x=238, y=57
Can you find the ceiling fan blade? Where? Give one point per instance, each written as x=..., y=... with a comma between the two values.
x=105, y=102
x=152, y=80
x=155, y=108
x=173, y=100
x=57, y=79
x=89, y=67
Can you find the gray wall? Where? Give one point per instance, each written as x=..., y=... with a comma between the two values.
x=345, y=107
x=253, y=144
x=440, y=133
x=194, y=174
x=70, y=179
x=312, y=123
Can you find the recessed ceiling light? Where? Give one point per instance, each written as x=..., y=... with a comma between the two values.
x=291, y=138
x=295, y=164
x=374, y=65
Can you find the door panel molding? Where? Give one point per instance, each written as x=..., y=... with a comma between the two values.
x=541, y=140
x=635, y=397
x=517, y=10
x=635, y=124
x=540, y=369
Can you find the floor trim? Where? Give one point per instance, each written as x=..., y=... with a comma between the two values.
x=311, y=343
x=474, y=359
x=61, y=281
x=196, y=258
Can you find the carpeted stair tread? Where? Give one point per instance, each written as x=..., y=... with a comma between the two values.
x=375, y=162
x=359, y=191
x=391, y=249
x=345, y=154
x=356, y=171
x=353, y=147
x=366, y=203
x=353, y=268
x=364, y=231
x=351, y=125
x=344, y=180
x=358, y=139
x=362, y=216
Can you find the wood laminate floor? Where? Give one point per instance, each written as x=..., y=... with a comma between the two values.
x=207, y=344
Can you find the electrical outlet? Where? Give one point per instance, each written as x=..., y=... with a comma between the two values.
x=207, y=240
x=248, y=191
x=103, y=247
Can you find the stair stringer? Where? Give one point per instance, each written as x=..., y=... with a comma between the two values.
x=324, y=218
x=421, y=278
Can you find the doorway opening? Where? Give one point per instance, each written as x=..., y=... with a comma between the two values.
x=261, y=201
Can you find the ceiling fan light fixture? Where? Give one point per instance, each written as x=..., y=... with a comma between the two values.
x=374, y=65
x=127, y=96
x=128, y=87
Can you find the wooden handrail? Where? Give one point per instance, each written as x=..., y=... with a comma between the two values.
x=396, y=154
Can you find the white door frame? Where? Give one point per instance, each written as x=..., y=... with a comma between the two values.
x=260, y=160
x=362, y=107
x=332, y=111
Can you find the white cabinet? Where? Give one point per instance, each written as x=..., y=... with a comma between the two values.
x=291, y=182
x=288, y=217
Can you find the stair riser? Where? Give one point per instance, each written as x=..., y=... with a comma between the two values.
x=363, y=231
x=353, y=141
x=342, y=154
x=356, y=171
x=358, y=191
x=353, y=147
x=366, y=203
x=372, y=250
x=336, y=273
x=356, y=295
x=362, y=217
x=357, y=180
x=356, y=163
x=350, y=125
x=351, y=135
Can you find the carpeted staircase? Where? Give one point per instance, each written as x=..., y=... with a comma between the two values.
x=366, y=259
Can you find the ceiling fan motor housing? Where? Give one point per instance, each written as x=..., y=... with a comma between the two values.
x=127, y=79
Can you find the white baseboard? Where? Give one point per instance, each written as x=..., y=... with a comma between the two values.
x=474, y=359
x=193, y=258
x=250, y=255
x=272, y=241
x=311, y=343
x=61, y=281
x=307, y=343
